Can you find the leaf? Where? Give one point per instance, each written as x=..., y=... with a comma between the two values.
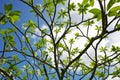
x=113, y=11
x=116, y=8
x=92, y=2
x=15, y=57
x=18, y=72
x=110, y=14
x=3, y=22
x=96, y=12
x=7, y=8
x=71, y=41
x=72, y=6
x=9, y=30
x=118, y=25
x=32, y=25
x=57, y=30
x=84, y=2
x=2, y=31
x=61, y=2
x=10, y=40
x=110, y=4
x=14, y=16
x=77, y=35
x=102, y=49
x=53, y=76
x=68, y=78
x=3, y=61
x=118, y=0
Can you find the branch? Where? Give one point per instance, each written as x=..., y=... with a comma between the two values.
x=6, y=74
x=1, y=18
x=104, y=16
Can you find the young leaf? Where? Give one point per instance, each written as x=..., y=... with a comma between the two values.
x=116, y=8
x=110, y=4
x=71, y=41
x=96, y=12
x=2, y=31
x=14, y=16
x=92, y=2
x=7, y=7
x=72, y=6
x=84, y=2
x=113, y=11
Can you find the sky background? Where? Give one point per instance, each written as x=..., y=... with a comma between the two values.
x=26, y=15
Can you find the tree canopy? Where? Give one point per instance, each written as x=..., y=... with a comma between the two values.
x=66, y=40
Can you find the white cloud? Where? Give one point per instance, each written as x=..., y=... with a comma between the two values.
x=110, y=78
x=80, y=42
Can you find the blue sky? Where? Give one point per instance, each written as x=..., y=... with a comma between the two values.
x=25, y=16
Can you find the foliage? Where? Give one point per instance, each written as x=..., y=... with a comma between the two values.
x=59, y=48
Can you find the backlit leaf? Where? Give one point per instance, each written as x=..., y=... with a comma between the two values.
x=7, y=7
x=110, y=4
x=91, y=2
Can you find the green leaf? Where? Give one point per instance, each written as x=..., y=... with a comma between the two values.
x=90, y=23
x=92, y=2
x=75, y=50
x=116, y=8
x=53, y=76
x=57, y=30
x=3, y=22
x=18, y=72
x=102, y=49
x=114, y=11
x=44, y=31
x=118, y=25
x=7, y=8
x=118, y=0
x=14, y=16
x=115, y=48
x=96, y=12
x=2, y=31
x=110, y=4
x=3, y=61
x=46, y=78
x=77, y=35
x=99, y=28
x=82, y=8
x=61, y=2
x=25, y=48
x=84, y=2
x=10, y=40
x=68, y=78
x=71, y=41
x=8, y=30
x=31, y=23
x=15, y=57
x=72, y=6
x=62, y=13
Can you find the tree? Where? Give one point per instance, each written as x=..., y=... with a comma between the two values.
x=60, y=47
